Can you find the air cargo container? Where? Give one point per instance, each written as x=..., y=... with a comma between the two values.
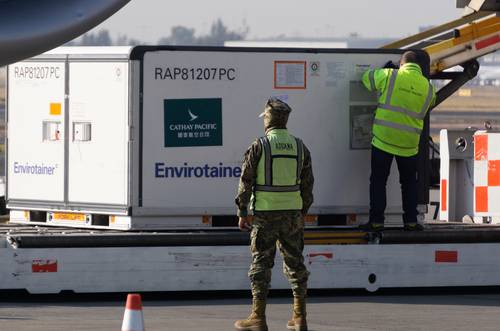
x=153, y=137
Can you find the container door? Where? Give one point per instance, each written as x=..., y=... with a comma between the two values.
x=98, y=138
x=36, y=132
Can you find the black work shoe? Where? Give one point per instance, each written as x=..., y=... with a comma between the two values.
x=413, y=227
x=372, y=226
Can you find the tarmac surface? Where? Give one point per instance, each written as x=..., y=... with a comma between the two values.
x=448, y=309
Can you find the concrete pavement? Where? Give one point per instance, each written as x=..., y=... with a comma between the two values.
x=462, y=311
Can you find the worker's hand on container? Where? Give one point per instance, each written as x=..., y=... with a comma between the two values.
x=244, y=223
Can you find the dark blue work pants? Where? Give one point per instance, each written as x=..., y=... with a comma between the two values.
x=380, y=170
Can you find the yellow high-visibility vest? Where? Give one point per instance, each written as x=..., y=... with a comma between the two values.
x=278, y=174
x=405, y=96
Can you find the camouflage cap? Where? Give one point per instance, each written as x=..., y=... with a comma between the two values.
x=275, y=106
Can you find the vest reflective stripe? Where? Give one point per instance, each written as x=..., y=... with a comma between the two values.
x=390, y=89
x=401, y=110
x=265, y=188
x=397, y=126
x=371, y=77
x=394, y=145
x=300, y=158
x=427, y=102
x=267, y=163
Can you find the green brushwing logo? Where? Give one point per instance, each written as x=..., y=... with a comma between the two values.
x=193, y=122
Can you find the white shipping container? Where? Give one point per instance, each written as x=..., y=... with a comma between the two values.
x=152, y=137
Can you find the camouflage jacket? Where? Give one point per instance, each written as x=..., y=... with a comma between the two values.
x=249, y=175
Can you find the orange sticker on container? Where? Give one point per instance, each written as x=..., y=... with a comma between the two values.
x=481, y=199
x=480, y=147
x=311, y=218
x=444, y=205
x=205, y=219
x=55, y=108
x=291, y=75
x=494, y=173
x=69, y=217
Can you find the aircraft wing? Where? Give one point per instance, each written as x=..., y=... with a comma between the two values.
x=31, y=27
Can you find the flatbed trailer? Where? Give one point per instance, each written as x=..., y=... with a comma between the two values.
x=51, y=260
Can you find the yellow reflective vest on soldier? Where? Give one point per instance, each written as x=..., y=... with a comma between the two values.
x=405, y=96
x=278, y=173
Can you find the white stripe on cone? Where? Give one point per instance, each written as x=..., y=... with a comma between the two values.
x=133, y=320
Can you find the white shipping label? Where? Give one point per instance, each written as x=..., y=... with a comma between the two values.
x=290, y=74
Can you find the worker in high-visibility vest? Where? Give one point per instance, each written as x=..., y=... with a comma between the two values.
x=277, y=183
x=404, y=97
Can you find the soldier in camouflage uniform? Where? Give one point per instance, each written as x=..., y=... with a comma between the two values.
x=277, y=182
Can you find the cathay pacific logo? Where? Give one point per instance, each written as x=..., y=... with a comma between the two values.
x=193, y=116
x=193, y=122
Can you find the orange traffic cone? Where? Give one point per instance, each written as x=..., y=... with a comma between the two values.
x=133, y=319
